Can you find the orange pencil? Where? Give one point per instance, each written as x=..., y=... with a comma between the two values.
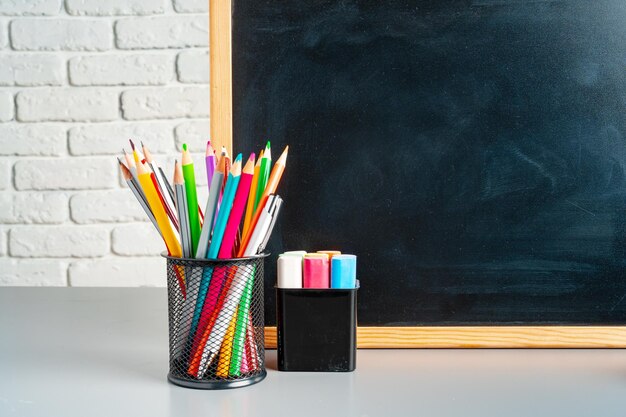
x=270, y=188
x=252, y=195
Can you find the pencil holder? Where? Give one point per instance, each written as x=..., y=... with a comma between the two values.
x=216, y=324
x=316, y=329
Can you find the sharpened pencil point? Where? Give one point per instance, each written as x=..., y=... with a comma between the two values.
x=132, y=145
x=184, y=146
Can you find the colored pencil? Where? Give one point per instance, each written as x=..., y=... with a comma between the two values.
x=211, y=208
x=274, y=217
x=264, y=174
x=226, y=350
x=181, y=209
x=135, y=153
x=211, y=161
x=161, y=185
x=229, y=299
x=262, y=226
x=154, y=201
x=239, y=204
x=226, y=172
x=251, y=345
x=252, y=195
x=130, y=163
x=225, y=208
x=241, y=317
x=192, y=199
x=221, y=277
x=203, y=247
x=272, y=185
x=136, y=189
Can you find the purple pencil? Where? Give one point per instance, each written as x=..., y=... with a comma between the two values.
x=211, y=162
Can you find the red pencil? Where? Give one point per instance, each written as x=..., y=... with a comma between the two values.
x=236, y=212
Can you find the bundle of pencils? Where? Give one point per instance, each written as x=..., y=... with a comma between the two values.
x=238, y=219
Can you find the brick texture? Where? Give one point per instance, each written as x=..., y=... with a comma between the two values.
x=193, y=66
x=137, y=239
x=58, y=241
x=5, y=174
x=96, y=139
x=33, y=272
x=41, y=140
x=162, y=32
x=61, y=35
x=191, y=6
x=106, y=206
x=31, y=69
x=65, y=174
x=67, y=105
x=43, y=208
x=6, y=106
x=78, y=78
x=139, y=69
x=118, y=272
x=165, y=103
x=114, y=7
x=30, y=7
x=195, y=134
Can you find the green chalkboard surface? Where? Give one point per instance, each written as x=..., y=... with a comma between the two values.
x=472, y=154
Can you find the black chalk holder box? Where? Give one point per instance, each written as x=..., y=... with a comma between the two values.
x=316, y=329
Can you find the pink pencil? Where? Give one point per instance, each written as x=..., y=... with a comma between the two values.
x=236, y=212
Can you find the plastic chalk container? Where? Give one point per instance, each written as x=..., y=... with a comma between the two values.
x=316, y=329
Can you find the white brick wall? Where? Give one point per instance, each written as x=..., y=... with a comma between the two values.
x=78, y=78
x=31, y=69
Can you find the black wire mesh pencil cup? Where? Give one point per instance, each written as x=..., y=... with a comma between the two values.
x=216, y=323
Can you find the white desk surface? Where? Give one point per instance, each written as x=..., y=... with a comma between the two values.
x=104, y=352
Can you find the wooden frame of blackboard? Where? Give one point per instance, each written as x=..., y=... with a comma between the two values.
x=392, y=337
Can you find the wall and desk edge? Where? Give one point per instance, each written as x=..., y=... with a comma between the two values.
x=221, y=117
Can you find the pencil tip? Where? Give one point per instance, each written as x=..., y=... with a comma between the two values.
x=268, y=146
x=252, y=156
x=184, y=147
x=132, y=145
x=124, y=151
x=142, y=145
x=239, y=157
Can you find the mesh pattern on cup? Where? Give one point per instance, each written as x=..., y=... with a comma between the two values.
x=216, y=327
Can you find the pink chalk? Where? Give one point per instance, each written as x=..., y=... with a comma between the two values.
x=315, y=272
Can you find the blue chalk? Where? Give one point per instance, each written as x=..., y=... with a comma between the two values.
x=343, y=271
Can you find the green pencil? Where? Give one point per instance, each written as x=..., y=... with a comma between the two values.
x=192, y=199
x=241, y=327
x=264, y=173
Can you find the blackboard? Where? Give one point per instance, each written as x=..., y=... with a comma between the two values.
x=472, y=154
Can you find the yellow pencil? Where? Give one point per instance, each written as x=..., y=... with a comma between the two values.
x=135, y=153
x=252, y=196
x=226, y=350
x=154, y=201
